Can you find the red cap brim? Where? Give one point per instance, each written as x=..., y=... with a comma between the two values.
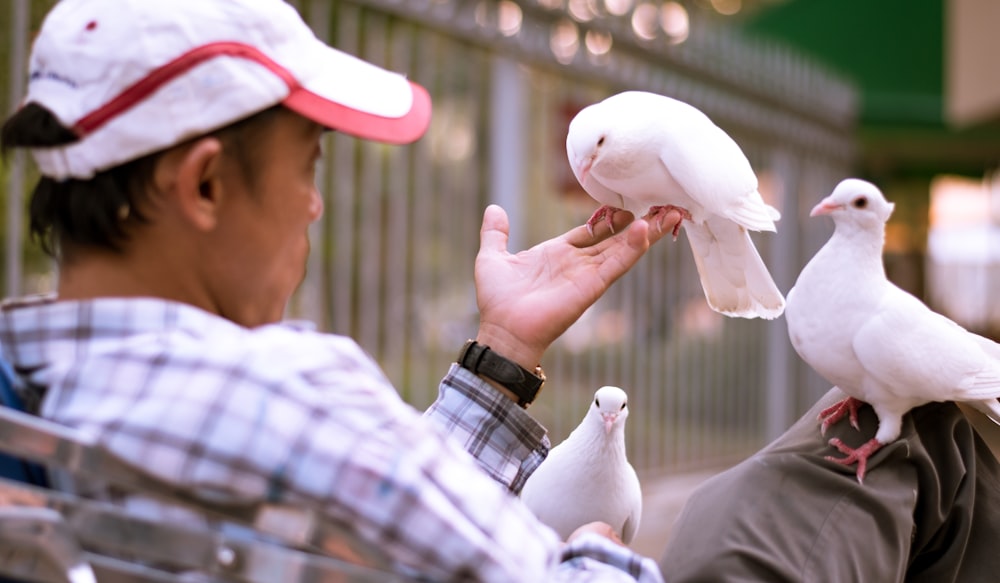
x=392, y=130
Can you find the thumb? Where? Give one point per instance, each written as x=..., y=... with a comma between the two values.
x=495, y=230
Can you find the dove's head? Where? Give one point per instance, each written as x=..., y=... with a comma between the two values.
x=856, y=202
x=611, y=407
x=585, y=141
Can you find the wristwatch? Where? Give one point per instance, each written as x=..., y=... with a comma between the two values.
x=479, y=359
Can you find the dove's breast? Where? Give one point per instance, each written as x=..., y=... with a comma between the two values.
x=824, y=313
x=642, y=182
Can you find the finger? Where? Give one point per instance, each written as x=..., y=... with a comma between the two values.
x=659, y=228
x=617, y=258
x=581, y=237
x=495, y=231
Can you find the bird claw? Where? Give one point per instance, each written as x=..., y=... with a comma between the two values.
x=836, y=412
x=660, y=211
x=605, y=213
x=852, y=455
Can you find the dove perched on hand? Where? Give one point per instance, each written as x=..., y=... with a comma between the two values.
x=876, y=342
x=587, y=477
x=650, y=154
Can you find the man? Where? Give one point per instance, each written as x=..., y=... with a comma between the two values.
x=177, y=143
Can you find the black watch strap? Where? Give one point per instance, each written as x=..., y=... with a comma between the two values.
x=479, y=359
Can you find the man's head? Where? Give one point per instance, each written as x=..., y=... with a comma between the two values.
x=133, y=103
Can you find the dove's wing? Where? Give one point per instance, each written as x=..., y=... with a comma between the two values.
x=917, y=353
x=634, y=496
x=546, y=494
x=989, y=347
x=711, y=168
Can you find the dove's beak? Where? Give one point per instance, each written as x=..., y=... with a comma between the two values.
x=609, y=421
x=825, y=207
x=585, y=168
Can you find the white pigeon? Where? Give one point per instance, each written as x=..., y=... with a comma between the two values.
x=587, y=477
x=650, y=154
x=877, y=343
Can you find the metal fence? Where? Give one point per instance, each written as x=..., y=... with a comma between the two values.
x=393, y=255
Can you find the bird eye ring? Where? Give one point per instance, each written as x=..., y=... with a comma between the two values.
x=860, y=202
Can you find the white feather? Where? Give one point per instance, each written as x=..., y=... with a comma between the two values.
x=876, y=342
x=587, y=477
x=637, y=150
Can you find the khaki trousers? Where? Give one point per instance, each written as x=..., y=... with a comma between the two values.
x=928, y=511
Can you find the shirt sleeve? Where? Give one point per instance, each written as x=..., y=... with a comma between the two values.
x=507, y=442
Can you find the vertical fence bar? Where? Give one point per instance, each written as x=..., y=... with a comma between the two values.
x=779, y=392
x=507, y=138
x=15, y=179
x=341, y=201
x=311, y=303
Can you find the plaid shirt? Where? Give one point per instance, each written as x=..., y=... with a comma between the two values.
x=284, y=413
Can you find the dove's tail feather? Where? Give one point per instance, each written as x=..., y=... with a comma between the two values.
x=753, y=213
x=734, y=277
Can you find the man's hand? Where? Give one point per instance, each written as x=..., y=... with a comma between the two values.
x=528, y=300
x=600, y=528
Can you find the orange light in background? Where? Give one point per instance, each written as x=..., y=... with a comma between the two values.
x=727, y=7
x=958, y=201
x=564, y=40
x=675, y=22
x=963, y=249
x=509, y=18
x=617, y=7
x=644, y=21
x=597, y=43
x=582, y=10
x=771, y=188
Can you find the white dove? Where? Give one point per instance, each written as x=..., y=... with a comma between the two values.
x=587, y=477
x=650, y=154
x=876, y=342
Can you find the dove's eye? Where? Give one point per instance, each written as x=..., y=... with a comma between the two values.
x=860, y=202
x=597, y=402
x=623, y=405
x=600, y=142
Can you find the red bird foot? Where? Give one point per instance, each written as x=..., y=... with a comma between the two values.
x=859, y=455
x=833, y=414
x=605, y=213
x=661, y=211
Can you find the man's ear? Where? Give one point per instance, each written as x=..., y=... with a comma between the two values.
x=197, y=182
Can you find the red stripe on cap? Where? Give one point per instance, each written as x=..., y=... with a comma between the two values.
x=143, y=88
x=391, y=130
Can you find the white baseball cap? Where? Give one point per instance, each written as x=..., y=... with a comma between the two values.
x=132, y=77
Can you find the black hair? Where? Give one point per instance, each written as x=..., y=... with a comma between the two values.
x=97, y=212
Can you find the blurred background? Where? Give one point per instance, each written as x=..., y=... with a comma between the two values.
x=904, y=93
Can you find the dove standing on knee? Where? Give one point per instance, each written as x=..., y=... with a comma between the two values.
x=650, y=154
x=587, y=477
x=876, y=342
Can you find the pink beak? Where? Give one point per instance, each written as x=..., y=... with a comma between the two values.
x=585, y=168
x=609, y=421
x=825, y=207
